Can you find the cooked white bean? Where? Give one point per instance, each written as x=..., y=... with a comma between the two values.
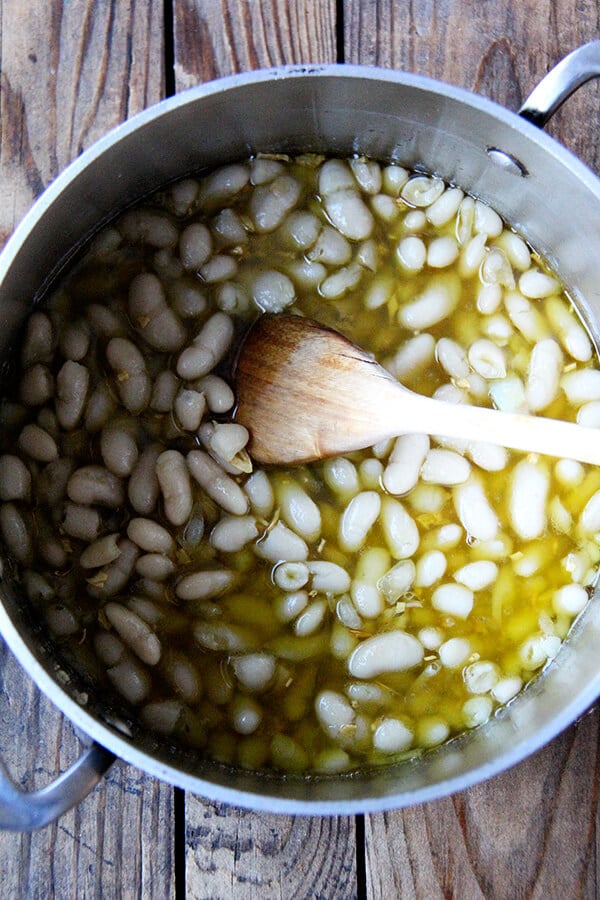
x=379, y=291
x=152, y=316
x=367, y=596
x=432, y=638
x=535, y=284
x=246, y=715
x=442, y=252
x=150, y=536
x=394, y=177
x=402, y=471
x=228, y=440
x=136, y=633
x=433, y=305
x=506, y=688
x=477, y=575
x=570, y=599
x=371, y=474
x=300, y=230
x=221, y=268
x=219, y=395
x=430, y=568
x=222, y=185
x=334, y=712
x=101, y=552
x=392, y=736
x=254, y=671
x=589, y=414
x=16, y=532
x=148, y=227
x=452, y=358
x=341, y=477
x=195, y=246
x=487, y=359
x=590, y=517
x=489, y=298
x=114, y=577
x=217, y=484
x=474, y=510
x=545, y=370
x=477, y=710
x=349, y=214
x=397, y=581
x=162, y=716
x=38, y=343
x=131, y=680
x=72, y=384
x=95, y=485
x=391, y=651
x=143, y=486
x=581, y=386
x=272, y=291
x=411, y=253
x=208, y=348
x=412, y=356
x=453, y=600
x=472, y=255
x=260, y=492
x=538, y=649
x=290, y=605
x=357, y=520
x=454, y=652
x=422, y=191
x=327, y=577
x=527, y=499
x=445, y=207
x=15, y=478
x=133, y=384
x=291, y=576
x=205, y=584
x=155, y=566
x=189, y=408
x=570, y=331
x=36, y=443
x=399, y=529
x=445, y=467
x=281, y=543
x=481, y=677
x=118, y=447
x=298, y=510
x=175, y=486
x=509, y=395
x=187, y=300
x=100, y=407
x=310, y=620
x=218, y=636
x=271, y=203
x=490, y=457
x=525, y=317
x=331, y=248
x=232, y=533
x=36, y=386
x=368, y=174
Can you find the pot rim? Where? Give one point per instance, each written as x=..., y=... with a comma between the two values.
x=92, y=725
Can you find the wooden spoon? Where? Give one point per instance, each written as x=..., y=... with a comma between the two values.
x=305, y=392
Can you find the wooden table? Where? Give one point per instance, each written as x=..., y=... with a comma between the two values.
x=72, y=70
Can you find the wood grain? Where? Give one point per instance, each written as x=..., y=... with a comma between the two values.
x=530, y=832
x=70, y=72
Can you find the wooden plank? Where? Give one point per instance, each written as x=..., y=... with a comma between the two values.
x=70, y=72
x=531, y=832
x=231, y=852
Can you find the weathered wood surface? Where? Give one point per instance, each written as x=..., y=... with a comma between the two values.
x=69, y=72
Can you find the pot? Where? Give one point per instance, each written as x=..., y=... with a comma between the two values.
x=548, y=195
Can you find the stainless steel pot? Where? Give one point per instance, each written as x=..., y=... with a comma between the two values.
x=533, y=182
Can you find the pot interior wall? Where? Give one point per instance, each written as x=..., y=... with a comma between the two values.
x=339, y=110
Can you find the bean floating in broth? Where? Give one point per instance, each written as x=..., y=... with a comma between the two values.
x=349, y=613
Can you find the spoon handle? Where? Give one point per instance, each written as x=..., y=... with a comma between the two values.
x=534, y=434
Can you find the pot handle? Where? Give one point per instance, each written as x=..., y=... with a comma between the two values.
x=557, y=86
x=22, y=811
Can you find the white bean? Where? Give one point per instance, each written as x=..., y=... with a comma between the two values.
x=545, y=370
x=246, y=715
x=349, y=214
x=474, y=510
x=445, y=467
x=400, y=531
x=527, y=499
x=392, y=735
x=155, y=566
x=152, y=316
x=195, y=246
x=291, y=576
x=217, y=484
x=207, y=584
x=581, y=386
x=38, y=343
x=189, y=408
x=432, y=306
x=357, y=520
x=430, y=568
x=422, y=191
x=254, y=671
x=219, y=395
x=412, y=357
x=397, y=581
x=290, y=605
x=271, y=203
x=442, y=252
x=526, y=318
x=391, y=651
x=570, y=599
x=143, y=487
x=331, y=248
x=16, y=532
x=36, y=443
x=536, y=285
x=445, y=207
x=118, y=447
x=402, y=471
x=411, y=253
x=133, y=384
x=136, y=633
x=570, y=331
x=453, y=600
x=272, y=291
x=145, y=226
x=150, y=536
x=15, y=478
x=452, y=358
x=95, y=486
x=487, y=359
x=298, y=510
x=260, y=492
x=310, y=620
x=280, y=543
x=328, y=577
x=222, y=185
x=102, y=552
x=232, y=533
x=37, y=385
x=477, y=575
x=130, y=680
x=334, y=712
x=175, y=485
x=341, y=477
x=368, y=174
x=208, y=348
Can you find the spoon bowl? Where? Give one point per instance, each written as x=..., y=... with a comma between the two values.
x=305, y=392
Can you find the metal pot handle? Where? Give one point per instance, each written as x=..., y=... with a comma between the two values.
x=557, y=86
x=22, y=811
